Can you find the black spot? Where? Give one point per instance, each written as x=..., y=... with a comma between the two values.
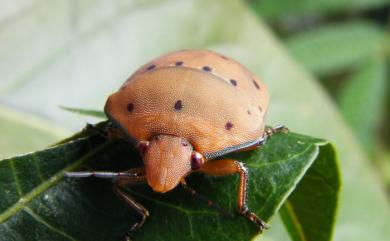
x=178, y=105
x=179, y=63
x=206, y=68
x=228, y=125
x=249, y=112
x=256, y=84
x=260, y=109
x=234, y=82
x=224, y=57
x=130, y=107
x=151, y=67
x=156, y=138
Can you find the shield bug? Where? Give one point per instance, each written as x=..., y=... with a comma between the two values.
x=182, y=110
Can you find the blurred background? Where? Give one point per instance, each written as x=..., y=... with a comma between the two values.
x=326, y=64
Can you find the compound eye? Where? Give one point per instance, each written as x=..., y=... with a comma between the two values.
x=197, y=160
x=142, y=146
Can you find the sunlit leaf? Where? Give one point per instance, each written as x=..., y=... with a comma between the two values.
x=332, y=48
x=279, y=9
x=86, y=112
x=363, y=98
x=21, y=133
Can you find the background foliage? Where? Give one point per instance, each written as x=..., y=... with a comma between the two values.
x=327, y=71
x=346, y=44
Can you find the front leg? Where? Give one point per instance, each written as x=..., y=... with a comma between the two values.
x=131, y=177
x=227, y=167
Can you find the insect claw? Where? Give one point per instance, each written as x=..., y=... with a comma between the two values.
x=262, y=225
x=280, y=128
x=254, y=218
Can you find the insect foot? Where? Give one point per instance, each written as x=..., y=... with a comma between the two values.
x=254, y=218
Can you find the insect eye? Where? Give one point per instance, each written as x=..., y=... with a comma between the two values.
x=197, y=160
x=142, y=146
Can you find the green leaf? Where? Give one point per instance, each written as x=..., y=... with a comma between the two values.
x=321, y=183
x=333, y=48
x=279, y=9
x=362, y=100
x=35, y=194
x=87, y=112
x=383, y=161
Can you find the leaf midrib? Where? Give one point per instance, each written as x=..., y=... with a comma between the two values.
x=26, y=198
x=295, y=221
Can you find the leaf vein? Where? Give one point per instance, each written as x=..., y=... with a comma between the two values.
x=17, y=183
x=178, y=208
x=25, y=199
x=295, y=156
x=37, y=168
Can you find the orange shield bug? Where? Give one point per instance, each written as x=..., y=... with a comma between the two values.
x=182, y=110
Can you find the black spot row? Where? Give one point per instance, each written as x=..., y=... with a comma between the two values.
x=208, y=69
x=179, y=105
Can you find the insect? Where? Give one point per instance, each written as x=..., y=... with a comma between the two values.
x=182, y=110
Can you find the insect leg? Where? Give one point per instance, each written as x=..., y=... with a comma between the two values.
x=204, y=199
x=227, y=167
x=134, y=172
x=121, y=179
x=270, y=131
x=135, y=205
x=99, y=174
